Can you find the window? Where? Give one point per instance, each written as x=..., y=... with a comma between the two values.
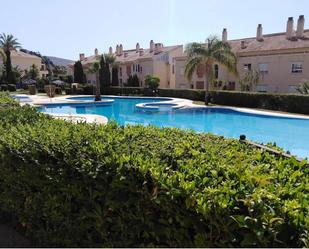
x=141, y=69
x=216, y=71
x=247, y=67
x=297, y=67
x=120, y=71
x=173, y=69
x=263, y=68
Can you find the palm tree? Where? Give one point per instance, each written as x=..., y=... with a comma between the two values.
x=95, y=68
x=2, y=55
x=206, y=55
x=8, y=43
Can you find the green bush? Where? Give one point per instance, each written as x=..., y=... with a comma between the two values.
x=88, y=89
x=4, y=87
x=110, y=186
x=197, y=95
x=122, y=90
x=68, y=91
x=12, y=87
x=296, y=103
x=58, y=90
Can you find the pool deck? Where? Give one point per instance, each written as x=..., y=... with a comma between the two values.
x=37, y=100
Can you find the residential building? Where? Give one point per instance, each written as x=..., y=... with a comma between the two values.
x=156, y=59
x=282, y=59
x=24, y=61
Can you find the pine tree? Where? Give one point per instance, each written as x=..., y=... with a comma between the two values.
x=79, y=76
x=115, y=80
x=104, y=74
x=135, y=81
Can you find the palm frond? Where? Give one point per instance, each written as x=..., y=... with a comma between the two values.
x=191, y=66
x=8, y=42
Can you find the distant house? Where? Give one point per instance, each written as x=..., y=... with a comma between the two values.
x=24, y=61
x=156, y=59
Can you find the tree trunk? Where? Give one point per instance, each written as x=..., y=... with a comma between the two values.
x=206, y=89
x=8, y=69
x=97, y=88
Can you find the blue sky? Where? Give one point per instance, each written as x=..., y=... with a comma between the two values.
x=64, y=28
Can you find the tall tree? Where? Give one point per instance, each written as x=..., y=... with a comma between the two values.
x=2, y=55
x=33, y=72
x=250, y=79
x=79, y=76
x=8, y=43
x=206, y=55
x=115, y=80
x=107, y=62
x=95, y=69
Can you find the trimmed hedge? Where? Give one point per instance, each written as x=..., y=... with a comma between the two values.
x=84, y=185
x=296, y=103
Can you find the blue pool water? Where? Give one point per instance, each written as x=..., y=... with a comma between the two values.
x=289, y=133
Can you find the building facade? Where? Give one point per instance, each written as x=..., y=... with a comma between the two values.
x=282, y=60
x=24, y=61
x=156, y=59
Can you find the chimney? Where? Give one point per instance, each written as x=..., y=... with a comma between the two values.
x=300, y=27
x=137, y=47
x=96, y=52
x=117, y=50
x=290, y=28
x=158, y=48
x=120, y=49
x=224, y=35
x=81, y=57
x=243, y=45
x=151, y=46
x=141, y=52
x=110, y=50
x=259, y=33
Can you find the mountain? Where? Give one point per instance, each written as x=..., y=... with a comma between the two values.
x=59, y=61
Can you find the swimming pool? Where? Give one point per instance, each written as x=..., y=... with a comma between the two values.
x=292, y=134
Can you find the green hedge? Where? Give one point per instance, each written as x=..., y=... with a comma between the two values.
x=280, y=102
x=83, y=185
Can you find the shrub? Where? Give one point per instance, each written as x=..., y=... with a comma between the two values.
x=198, y=95
x=4, y=87
x=280, y=102
x=152, y=81
x=12, y=87
x=110, y=186
x=68, y=91
x=58, y=90
x=88, y=89
x=79, y=90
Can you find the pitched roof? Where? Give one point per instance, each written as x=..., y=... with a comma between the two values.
x=131, y=55
x=16, y=53
x=271, y=42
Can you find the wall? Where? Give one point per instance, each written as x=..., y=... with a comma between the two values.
x=279, y=77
